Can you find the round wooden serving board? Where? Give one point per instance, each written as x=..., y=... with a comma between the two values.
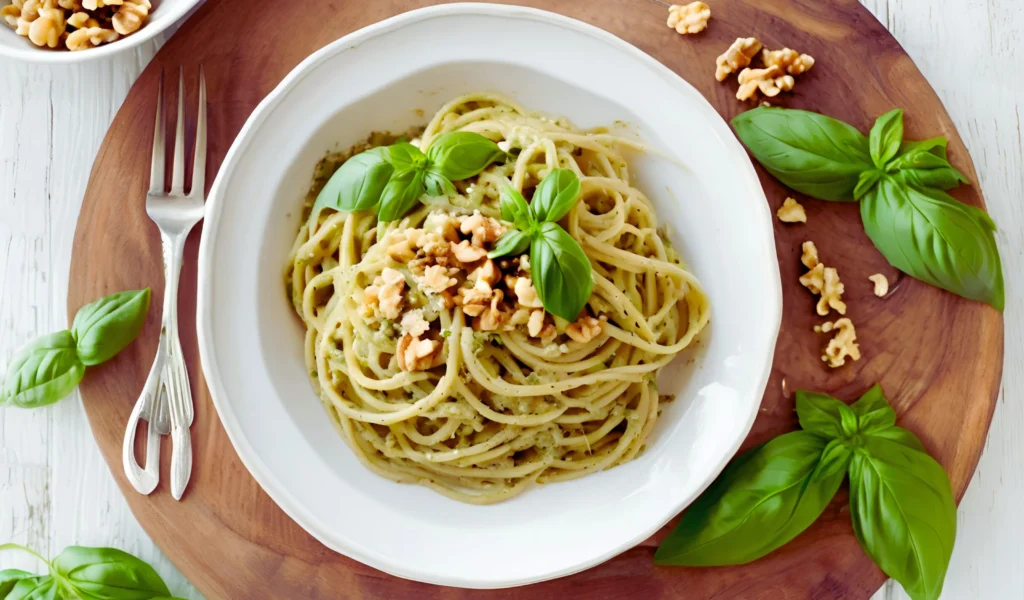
x=938, y=357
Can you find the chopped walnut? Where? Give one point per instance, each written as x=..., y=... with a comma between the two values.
x=465, y=253
x=71, y=5
x=842, y=345
x=484, y=229
x=90, y=37
x=521, y=316
x=584, y=329
x=736, y=57
x=47, y=29
x=881, y=284
x=386, y=293
x=689, y=18
x=414, y=324
x=492, y=317
x=526, y=294
x=825, y=281
x=788, y=60
x=474, y=300
x=810, y=255
x=414, y=354
x=487, y=272
x=536, y=323
x=130, y=17
x=770, y=81
x=94, y=4
x=792, y=211
x=82, y=19
x=443, y=225
x=438, y=279
x=10, y=13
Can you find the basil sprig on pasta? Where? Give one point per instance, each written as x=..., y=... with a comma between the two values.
x=391, y=179
x=562, y=273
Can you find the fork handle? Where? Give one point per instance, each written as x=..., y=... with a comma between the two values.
x=181, y=459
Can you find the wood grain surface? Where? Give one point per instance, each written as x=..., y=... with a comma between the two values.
x=938, y=357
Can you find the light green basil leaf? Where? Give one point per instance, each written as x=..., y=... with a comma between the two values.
x=43, y=372
x=885, y=137
x=925, y=168
x=42, y=587
x=561, y=272
x=935, y=145
x=357, y=184
x=9, y=578
x=460, y=155
x=834, y=460
x=400, y=195
x=104, y=327
x=514, y=209
x=904, y=515
x=873, y=411
x=865, y=181
x=927, y=234
x=512, y=242
x=811, y=153
x=109, y=573
x=437, y=184
x=900, y=436
x=555, y=195
x=403, y=156
x=759, y=503
x=824, y=415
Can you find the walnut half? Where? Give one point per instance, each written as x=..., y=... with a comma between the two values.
x=689, y=18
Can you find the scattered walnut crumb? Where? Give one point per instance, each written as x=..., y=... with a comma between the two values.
x=769, y=80
x=842, y=345
x=810, y=255
x=414, y=324
x=484, y=229
x=437, y=279
x=881, y=284
x=689, y=18
x=536, y=323
x=584, y=329
x=465, y=253
x=526, y=294
x=792, y=212
x=386, y=293
x=414, y=354
x=736, y=57
x=788, y=60
x=825, y=282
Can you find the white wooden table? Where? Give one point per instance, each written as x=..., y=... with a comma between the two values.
x=55, y=489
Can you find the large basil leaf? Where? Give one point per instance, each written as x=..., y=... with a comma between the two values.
x=462, y=154
x=903, y=514
x=811, y=153
x=886, y=136
x=357, y=184
x=9, y=578
x=109, y=573
x=824, y=415
x=555, y=195
x=104, y=327
x=400, y=195
x=759, y=503
x=873, y=411
x=43, y=372
x=561, y=271
x=43, y=587
x=927, y=234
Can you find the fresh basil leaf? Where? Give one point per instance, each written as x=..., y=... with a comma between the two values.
x=403, y=156
x=865, y=181
x=42, y=587
x=437, y=184
x=109, y=573
x=822, y=414
x=811, y=153
x=927, y=234
x=512, y=242
x=357, y=184
x=925, y=168
x=834, y=460
x=873, y=411
x=9, y=578
x=900, y=436
x=460, y=155
x=555, y=195
x=43, y=372
x=904, y=515
x=885, y=137
x=761, y=502
x=400, y=195
x=562, y=272
x=104, y=327
x=935, y=145
x=514, y=209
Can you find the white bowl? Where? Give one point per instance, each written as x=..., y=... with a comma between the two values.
x=162, y=16
x=251, y=343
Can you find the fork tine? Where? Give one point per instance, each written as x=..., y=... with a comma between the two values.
x=178, y=170
x=199, y=160
x=156, y=168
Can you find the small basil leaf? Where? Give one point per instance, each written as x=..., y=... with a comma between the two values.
x=865, y=181
x=109, y=573
x=935, y=145
x=43, y=372
x=904, y=515
x=759, y=503
x=811, y=153
x=400, y=195
x=822, y=414
x=561, y=272
x=104, y=327
x=928, y=169
x=555, y=195
x=512, y=242
x=873, y=411
x=927, y=234
x=403, y=156
x=886, y=136
x=9, y=578
x=357, y=184
x=43, y=587
x=900, y=436
x=437, y=184
x=514, y=208
x=834, y=460
x=460, y=155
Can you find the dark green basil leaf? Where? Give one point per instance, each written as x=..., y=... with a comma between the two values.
x=104, y=327
x=512, y=242
x=903, y=514
x=834, y=460
x=759, y=503
x=873, y=411
x=562, y=272
x=109, y=573
x=555, y=195
x=9, y=578
x=865, y=181
x=400, y=195
x=886, y=136
x=900, y=436
x=403, y=156
x=460, y=155
x=927, y=234
x=42, y=587
x=514, y=208
x=43, y=372
x=811, y=153
x=824, y=415
x=357, y=184
x=437, y=184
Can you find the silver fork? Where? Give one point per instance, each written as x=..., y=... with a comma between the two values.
x=166, y=400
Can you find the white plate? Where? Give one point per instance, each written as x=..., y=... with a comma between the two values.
x=251, y=343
